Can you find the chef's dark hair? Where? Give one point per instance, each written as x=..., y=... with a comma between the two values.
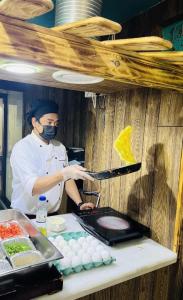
x=40, y=108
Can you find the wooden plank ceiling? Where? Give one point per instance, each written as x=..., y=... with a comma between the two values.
x=51, y=51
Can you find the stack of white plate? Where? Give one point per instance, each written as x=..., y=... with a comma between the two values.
x=68, y=11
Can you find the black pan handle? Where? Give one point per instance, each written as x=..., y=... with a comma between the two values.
x=95, y=194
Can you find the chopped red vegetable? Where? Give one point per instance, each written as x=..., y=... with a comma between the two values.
x=10, y=230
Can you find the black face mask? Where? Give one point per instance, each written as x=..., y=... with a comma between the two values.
x=49, y=132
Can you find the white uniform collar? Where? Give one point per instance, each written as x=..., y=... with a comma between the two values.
x=48, y=149
x=39, y=140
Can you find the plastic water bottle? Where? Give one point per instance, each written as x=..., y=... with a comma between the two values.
x=41, y=215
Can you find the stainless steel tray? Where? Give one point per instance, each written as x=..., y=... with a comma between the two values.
x=41, y=243
x=2, y=255
x=4, y=267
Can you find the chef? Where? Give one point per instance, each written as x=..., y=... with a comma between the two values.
x=40, y=165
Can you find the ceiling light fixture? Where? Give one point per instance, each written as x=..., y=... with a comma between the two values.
x=73, y=77
x=19, y=68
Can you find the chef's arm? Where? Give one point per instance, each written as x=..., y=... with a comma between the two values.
x=72, y=191
x=45, y=183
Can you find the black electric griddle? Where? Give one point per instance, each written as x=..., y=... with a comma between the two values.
x=107, y=174
x=105, y=223
x=110, y=226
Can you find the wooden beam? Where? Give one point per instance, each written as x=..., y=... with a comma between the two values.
x=147, y=43
x=21, y=9
x=51, y=51
x=173, y=57
x=95, y=26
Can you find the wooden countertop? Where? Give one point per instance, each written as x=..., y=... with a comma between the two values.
x=133, y=258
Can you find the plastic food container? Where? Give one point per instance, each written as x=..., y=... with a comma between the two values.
x=25, y=259
x=17, y=245
x=4, y=266
x=56, y=224
x=11, y=229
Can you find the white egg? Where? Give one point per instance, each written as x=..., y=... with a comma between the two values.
x=65, y=262
x=76, y=261
x=85, y=245
x=71, y=242
x=59, y=245
x=100, y=248
x=81, y=252
x=63, y=245
x=89, y=238
x=105, y=255
x=91, y=250
x=65, y=250
x=96, y=257
x=59, y=238
x=94, y=243
x=81, y=240
x=69, y=254
x=76, y=248
x=86, y=259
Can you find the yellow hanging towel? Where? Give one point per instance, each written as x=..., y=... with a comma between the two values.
x=123, y=145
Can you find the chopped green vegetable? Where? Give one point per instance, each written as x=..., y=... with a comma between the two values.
x=16, y=247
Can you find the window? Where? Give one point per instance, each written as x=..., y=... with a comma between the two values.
x=11, y=115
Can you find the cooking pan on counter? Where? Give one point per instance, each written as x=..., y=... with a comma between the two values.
x=107, y=174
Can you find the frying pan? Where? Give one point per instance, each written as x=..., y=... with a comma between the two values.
x=107, y=174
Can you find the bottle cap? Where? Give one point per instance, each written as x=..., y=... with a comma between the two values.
x=42, y=198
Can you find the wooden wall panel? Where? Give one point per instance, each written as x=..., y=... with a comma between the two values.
x=135, y=116
x=149, y=195
x=119, y=121
x=166, y=172
x=139, y=206
x=177, y=275
x=171, y=113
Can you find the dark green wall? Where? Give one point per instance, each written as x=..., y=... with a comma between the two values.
x=123, y=10
x=116, y=10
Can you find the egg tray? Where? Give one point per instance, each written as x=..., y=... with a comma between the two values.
x=80, y=268
x=70, y=235
x=76, y=235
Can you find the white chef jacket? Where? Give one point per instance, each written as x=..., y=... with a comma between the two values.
x=30, y=159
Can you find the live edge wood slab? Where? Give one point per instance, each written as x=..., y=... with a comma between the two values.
x=22, y=9
x=51, y=51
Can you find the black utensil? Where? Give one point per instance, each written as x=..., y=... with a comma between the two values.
x=107, y=174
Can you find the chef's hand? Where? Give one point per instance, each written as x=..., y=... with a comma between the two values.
x=87, y=205
x=75, y=172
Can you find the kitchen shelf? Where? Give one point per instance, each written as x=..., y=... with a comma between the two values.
x=51, y=51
